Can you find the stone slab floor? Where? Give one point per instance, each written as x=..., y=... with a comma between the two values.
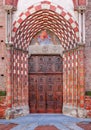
x=44, y=122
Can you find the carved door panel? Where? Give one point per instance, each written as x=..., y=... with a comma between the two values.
x=58, y=64
x=32, y=64
x=50, y=93
x=58, y=93
x=41, y=88
x=33, y=92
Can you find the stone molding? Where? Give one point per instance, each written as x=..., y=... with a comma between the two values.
x=45, y=49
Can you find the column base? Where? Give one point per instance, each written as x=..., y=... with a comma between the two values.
x=74, y=111
x=16, y=112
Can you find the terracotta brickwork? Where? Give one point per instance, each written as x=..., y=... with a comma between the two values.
x=88, y=105
x=11, y=2
x=74, y=77
x=88, y=48
x=79, y=3
x=2, y=48
x=82, y=2
x=31, y=18
x=20, y=78
x=3, y=106
x=81, y=83
x=41, y=17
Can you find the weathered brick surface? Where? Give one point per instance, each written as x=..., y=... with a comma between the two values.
x=11, y=2
x=3, y=106
x=73, y=65
x=88, y=105
x=2, y=48
x=88, y=48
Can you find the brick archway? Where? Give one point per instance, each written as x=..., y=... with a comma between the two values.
x=45, y=15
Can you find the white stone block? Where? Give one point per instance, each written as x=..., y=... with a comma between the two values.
x=32, y=10
x=45, y=6
x=23, y=17
x=73, y=25
x=67, y=17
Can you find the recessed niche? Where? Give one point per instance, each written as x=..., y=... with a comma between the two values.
x=1, y=40
x=2, y=75
x=2, y=58
x=1, y=26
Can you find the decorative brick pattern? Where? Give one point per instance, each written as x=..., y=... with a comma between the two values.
x=20, y=78
x=45, y=15
x=81, y=78
x=88, y=48
x=73, y=80
x=68, y=77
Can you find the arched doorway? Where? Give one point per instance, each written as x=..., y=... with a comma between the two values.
x=45, y=83
x=63, y=25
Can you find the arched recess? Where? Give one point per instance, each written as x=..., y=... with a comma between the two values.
x=44, y=15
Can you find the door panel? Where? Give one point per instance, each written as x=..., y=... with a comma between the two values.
x=33, y=92
x=41, y=101
x=45, y=84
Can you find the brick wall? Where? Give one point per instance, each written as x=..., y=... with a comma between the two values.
x=2, y=106
x=88, y=105
x=11, y=2
x=2, y=48
x=88, y=48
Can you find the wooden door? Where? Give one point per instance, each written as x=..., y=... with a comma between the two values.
x=45, y=84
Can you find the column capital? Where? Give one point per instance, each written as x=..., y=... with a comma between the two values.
x=81, y=9
x=81, y=45
x=9, y=46
x=9, y=8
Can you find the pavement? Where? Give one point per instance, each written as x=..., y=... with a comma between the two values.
x=31, y=121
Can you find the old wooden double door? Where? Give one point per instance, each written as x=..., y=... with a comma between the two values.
x=45, y=83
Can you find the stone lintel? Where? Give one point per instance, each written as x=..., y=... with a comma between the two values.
x=46, y=49
x=80, y=8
